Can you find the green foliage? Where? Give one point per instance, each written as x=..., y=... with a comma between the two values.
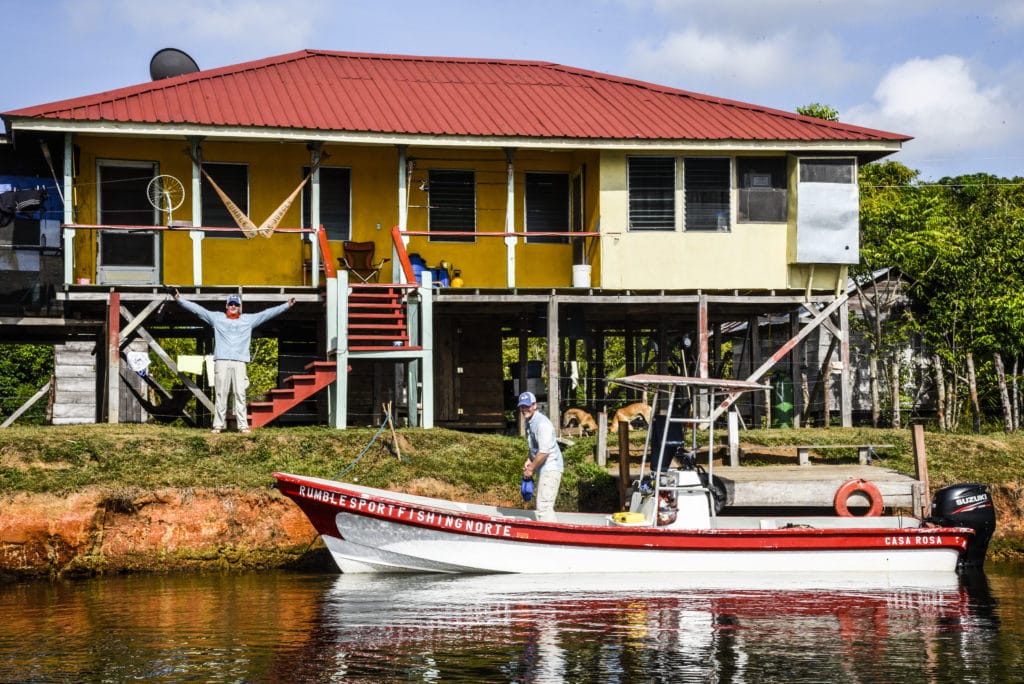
x=819, y=111
x=960, y=245
x=263, y=368
x=24, y=369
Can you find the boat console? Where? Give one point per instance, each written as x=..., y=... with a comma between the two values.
x=672, y=498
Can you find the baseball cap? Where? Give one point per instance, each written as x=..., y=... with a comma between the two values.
x=234, y=299
x=527, y=399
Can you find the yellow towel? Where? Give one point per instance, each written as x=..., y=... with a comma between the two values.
x=190, y=363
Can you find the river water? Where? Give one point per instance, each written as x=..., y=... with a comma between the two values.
x=288, y=627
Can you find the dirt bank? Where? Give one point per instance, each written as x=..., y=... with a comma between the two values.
x=170, y=530
x=195, y=530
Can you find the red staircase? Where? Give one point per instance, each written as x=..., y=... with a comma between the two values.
x=297, y=388
x=377, y=318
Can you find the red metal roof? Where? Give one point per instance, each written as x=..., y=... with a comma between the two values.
x=445, y=96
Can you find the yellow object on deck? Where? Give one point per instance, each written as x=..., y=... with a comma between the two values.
x=628, y=517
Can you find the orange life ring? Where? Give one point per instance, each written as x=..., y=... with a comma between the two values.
x=864, y=487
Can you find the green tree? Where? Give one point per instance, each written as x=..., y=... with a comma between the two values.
x=903, y=236
x=24, y=369
x=960, y=243
x=819, y=111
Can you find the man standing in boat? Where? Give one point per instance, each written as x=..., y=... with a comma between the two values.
x=545, y=456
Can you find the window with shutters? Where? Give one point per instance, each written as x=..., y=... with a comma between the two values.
x=335, y=202
x=452, y=202
x=706, y=193
x=652, y=193
x=547, y=206
x=233, y=180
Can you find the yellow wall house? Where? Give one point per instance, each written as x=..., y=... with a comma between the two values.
x=550, y=190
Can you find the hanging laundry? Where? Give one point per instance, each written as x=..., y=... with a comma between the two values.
x=138, y=362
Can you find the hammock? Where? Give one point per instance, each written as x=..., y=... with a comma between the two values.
x=245, y=224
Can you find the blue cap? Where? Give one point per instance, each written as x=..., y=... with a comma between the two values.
x=234, y=299
x=527, y=399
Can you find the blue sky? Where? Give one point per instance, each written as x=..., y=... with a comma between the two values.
x=948, y=72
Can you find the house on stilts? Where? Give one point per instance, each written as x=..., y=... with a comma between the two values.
x=453, y=230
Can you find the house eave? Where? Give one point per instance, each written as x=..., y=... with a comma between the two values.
x=239, y=133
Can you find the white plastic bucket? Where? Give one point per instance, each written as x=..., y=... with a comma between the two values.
x=581, y=275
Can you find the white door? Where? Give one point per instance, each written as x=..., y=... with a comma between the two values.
x=126, y=257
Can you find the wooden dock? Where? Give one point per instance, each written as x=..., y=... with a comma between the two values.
x=811, y=486
x=815, y=486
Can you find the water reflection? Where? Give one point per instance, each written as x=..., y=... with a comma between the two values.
x=558, y=628
x=320, y=628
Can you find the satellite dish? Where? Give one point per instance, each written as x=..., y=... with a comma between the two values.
x=171, y=62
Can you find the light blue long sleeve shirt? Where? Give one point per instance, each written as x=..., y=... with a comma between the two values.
x=232, y=336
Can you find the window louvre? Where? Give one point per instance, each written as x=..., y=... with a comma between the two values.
x=233, y=179
x=452, y=198
x=652, y=185
x=707, y=193
x=547, y=206
x=335, y=202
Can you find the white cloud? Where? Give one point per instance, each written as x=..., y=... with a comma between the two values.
x=263, y=22
x=941, y=104
x=784, y=68
x=256, y=28
x=709, y=55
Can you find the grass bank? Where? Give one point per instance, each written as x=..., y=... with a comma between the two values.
x=129, y=458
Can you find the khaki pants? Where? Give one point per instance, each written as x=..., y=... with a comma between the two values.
x=230, y=376
x=548, y=483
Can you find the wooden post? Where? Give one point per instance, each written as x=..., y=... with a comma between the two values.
x=734, y=438
x=554, y=367
x=602, y=438
x=113, y=384
x=921, y=467
x=623, y=464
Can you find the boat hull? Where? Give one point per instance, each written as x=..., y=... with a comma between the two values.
x=373, y=530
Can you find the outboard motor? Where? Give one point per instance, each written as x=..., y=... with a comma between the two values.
x=967, y=505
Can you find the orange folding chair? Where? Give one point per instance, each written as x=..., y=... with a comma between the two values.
x=357, y=258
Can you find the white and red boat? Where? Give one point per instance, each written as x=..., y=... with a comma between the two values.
x=673, y=525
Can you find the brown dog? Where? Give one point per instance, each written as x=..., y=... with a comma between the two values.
x=583, y=420
x=627, y=414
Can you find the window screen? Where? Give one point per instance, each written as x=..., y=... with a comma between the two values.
x=762, y=192
x=827, y=171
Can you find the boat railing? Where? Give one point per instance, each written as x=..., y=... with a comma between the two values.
x=702, y=396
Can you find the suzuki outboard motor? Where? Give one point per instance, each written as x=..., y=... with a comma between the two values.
x=967, y=505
